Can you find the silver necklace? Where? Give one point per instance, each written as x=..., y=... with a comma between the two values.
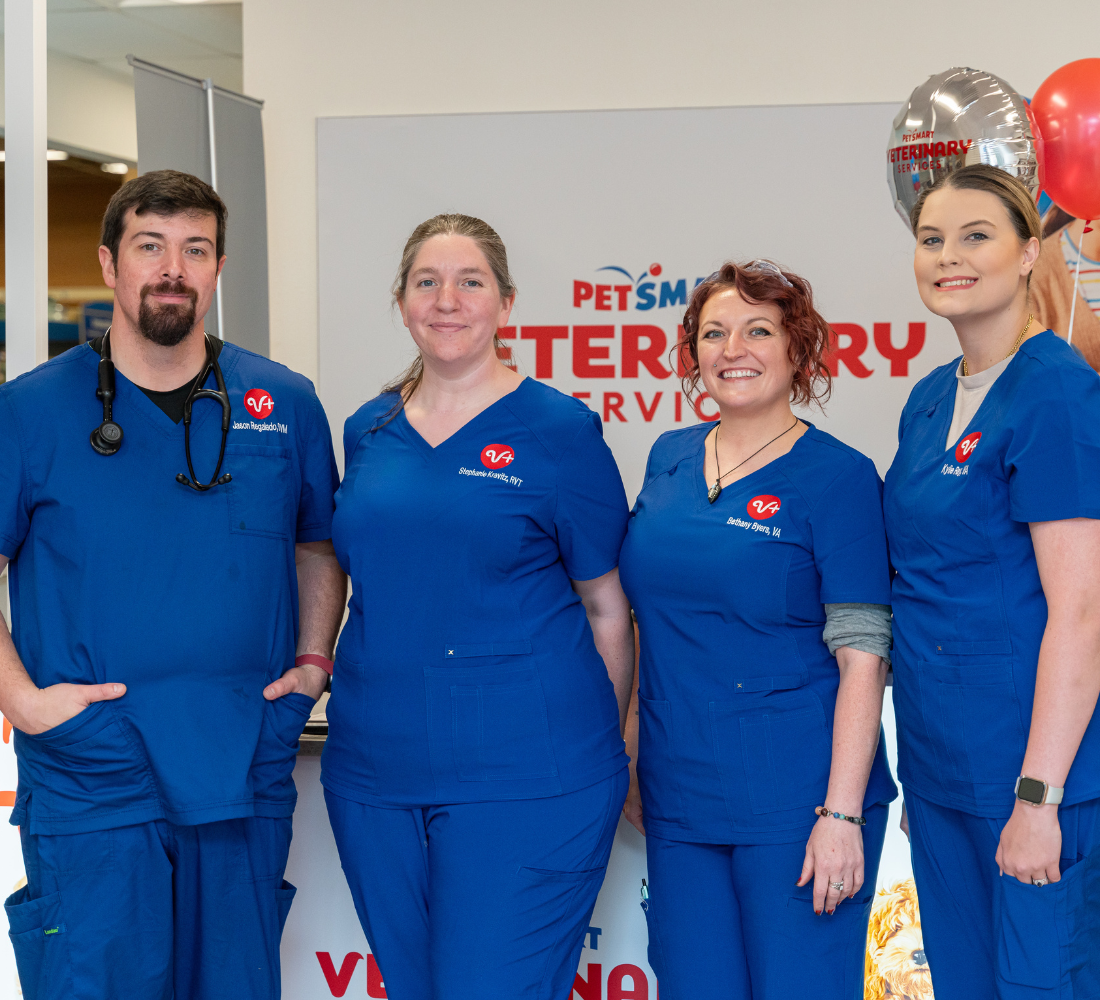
x=716, y=490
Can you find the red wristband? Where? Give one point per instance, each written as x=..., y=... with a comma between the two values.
x=315, y=660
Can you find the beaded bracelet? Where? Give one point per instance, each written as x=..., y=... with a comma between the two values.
x=826, y=811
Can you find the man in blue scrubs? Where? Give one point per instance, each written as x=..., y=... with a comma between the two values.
x=152, y=679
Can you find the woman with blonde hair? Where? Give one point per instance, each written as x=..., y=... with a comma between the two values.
x=992, y=511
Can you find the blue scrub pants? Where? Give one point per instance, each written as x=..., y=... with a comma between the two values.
x=482, y=899
x=727, y=922
x=988, y=935
x=153, y=912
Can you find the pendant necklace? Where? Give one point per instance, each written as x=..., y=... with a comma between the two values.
x=1015, y=347
x=716, y=490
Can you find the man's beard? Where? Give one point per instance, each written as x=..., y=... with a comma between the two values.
x=166, y=325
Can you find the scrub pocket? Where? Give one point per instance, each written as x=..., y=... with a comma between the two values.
x=498, y=725
x=41, y=943
x=773, y=757
x=972, y=714
x=284, y=897
x=95, y=763
x=1045, y=930
x=1028, y=919
x=661, y=793
x=261, y=491
x=273, y=763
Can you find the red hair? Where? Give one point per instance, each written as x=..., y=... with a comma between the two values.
x=808, y=333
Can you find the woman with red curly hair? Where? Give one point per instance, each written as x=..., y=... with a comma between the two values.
x=756, y=564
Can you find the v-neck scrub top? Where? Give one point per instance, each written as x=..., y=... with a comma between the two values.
x=969, y=609
x=738, y=688
x=467, y=670
x=120, y=573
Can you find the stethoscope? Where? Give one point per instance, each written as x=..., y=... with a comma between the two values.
x=107, y=437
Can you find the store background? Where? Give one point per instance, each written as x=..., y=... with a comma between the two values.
x=311, y=59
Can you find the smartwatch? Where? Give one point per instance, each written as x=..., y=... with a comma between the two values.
x=1036, y=792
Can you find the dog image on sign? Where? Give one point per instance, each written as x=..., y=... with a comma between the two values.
x=896, y=964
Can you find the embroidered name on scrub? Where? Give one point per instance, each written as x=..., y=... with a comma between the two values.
x=251, y=425
x=502, y=476
x=739, y=522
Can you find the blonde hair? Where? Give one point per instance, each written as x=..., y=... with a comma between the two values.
x=1012, y=194
x=449, y=224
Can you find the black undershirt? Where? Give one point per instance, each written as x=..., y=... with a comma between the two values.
x=170, y=402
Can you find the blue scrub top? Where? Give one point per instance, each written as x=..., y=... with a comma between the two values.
x=737, y=687
x=467, y=669
x=120, y=573
x=969, y=610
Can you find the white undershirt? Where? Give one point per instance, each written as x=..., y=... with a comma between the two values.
x=971, y=390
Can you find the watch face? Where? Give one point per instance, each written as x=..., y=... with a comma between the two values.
x=1031, y=790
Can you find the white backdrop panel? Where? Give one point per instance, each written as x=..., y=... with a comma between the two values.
x=584, y=199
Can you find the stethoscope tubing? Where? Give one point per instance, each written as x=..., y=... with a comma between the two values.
x=107, y=438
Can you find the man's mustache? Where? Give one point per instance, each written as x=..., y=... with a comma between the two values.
x=170, y=288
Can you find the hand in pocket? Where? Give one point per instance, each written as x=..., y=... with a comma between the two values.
x=47, y=708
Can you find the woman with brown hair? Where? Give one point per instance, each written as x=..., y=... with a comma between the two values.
x=992, y=509
x=474, y=770
x=756, y=565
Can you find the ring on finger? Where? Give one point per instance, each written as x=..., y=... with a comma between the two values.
x=839, y=886
x=1040, y=881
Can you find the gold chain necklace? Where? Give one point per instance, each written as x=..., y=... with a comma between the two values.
x=1015, y=347
x=716, y=490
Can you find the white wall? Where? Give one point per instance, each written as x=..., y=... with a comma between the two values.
x=90, y=107
x=310, y=59
x=87, y=107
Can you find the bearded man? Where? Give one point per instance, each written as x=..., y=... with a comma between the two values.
x=175, y=599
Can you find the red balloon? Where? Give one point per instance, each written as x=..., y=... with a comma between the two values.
x=1066, y=111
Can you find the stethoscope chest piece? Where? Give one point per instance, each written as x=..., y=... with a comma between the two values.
x=107, y=438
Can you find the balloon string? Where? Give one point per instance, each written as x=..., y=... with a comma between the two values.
x=1077, y=281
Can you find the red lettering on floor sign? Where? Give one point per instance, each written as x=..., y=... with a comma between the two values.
x=544, y=337
x=338, y=981
x=639, y=984
x=623, y=291
x=603, y=297
x=899, y=357
x=679, y=401
x=584, y=353
x=647, y=414
x=375, y=986
x=582, y=292
x=850, y=353
x=650, y=356
x=592, y=988
x=613, y=403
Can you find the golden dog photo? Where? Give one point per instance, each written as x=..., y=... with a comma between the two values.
x=896, y=965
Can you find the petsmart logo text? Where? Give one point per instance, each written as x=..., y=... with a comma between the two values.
x=639, y=294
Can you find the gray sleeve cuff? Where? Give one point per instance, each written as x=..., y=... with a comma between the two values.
x=866, y=627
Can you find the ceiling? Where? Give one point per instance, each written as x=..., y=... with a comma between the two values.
x=201, y=39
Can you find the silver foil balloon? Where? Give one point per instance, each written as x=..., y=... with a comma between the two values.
x=958, y=117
